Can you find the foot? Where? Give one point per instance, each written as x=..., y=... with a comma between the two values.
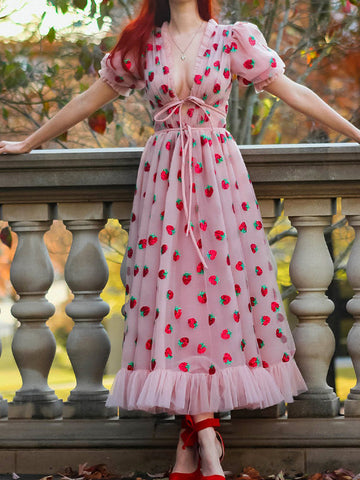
x=187, y=459
x=210, y=452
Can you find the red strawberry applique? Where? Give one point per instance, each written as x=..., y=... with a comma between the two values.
x=240, y=266
x=168, y=329
x=170, y=229
x=176, y=256
x=275, y=306
x=254, y=362
x=132, y=302
x=164, y=248
x=226, y=73
x=225, y=184
x=184, y=367
x=217, y=65
x=169, y=294
x=168, y=352
x=163, y=274
x=142, y=243
x=153, y=363
x=211, y=319
x=219, y=235
x=265, y=364
x=252, y=40
x=136, y=270
x=264, y=290
x=272, y=62
x=144, y=311
x=209, y=191
x=183, y=342
x=201, y=348
x=265, y=320
x=254, y=247
x=237, y=289
x=216, y=88
x=260, y=342
x=258, y=225
x=192, y=323
x=243, y=227
x=249, y=64
x=130, y=366
x=198, y=79
x=226, y=334
x=285, y=357
x=214, y=280
x=164, y=174
x=200, y=268
x=218, y=158
x=186, y=278
x=179, y=204
x=152, y=239
x=203, y=225
x=258, y=271
x=177, y=312
x=212, y=369
x=225, y=299
x=202, y=297
x=164, y=88
x=227, y=358
x=279, y=333
x=148, y=344
x=236, y=316
x=165, y=70
x=151, y=76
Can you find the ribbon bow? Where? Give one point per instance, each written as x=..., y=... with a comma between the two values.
x=186, y=146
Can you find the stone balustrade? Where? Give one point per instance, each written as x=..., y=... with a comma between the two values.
x=84, y=188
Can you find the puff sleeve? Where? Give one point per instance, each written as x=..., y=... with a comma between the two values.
x=252, y=60
x=122, y=80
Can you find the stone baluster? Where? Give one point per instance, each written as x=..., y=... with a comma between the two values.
x=311, y=271
x=3, y=403
x=350, y=207
x=88, y=345
x=33, y=345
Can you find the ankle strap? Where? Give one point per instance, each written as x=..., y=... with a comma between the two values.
x=189, y=435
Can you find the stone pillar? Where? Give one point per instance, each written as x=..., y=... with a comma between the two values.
x=88, y=344
x=3, y=403
x=311, y=271
x=33, y=345
x=350, y=207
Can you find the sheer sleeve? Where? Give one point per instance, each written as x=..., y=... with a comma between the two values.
x=252, y=60
x=122, y=80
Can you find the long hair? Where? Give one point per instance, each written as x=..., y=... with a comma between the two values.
x=153, y=13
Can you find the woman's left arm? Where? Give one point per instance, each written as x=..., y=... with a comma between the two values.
x=306, y=101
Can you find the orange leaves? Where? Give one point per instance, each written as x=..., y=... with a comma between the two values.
x=86, y=472
x=97, y=122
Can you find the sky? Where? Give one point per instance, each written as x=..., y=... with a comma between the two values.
x=27, y=11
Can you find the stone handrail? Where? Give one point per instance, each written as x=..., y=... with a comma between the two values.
x=85, y=187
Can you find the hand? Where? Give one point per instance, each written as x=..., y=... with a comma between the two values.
x=13, y=147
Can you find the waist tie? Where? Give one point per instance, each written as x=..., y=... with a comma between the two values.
x=186, y=146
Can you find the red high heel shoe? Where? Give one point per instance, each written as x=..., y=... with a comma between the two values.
x=189, y=438
x=212, y=422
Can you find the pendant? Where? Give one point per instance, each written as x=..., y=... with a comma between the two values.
x=182, y=57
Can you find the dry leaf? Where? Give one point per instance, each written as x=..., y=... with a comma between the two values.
x=316, y=476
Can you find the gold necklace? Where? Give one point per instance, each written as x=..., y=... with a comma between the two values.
x=183, y=56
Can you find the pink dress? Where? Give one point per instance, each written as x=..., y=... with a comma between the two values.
x=205, y=328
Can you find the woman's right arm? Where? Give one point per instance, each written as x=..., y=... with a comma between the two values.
x=77, y=109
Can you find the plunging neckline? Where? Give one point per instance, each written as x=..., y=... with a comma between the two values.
x=169, y=57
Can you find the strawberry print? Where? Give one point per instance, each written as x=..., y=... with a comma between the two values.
x=192, y=323
x=209, y=190
x=163, y=274
x=201, y=348
x=184, y=366
x=144, y=311
x=203, y=225
x=285, y=357
x=183, y=342
x=275, y=306
x=243, y=227
x=219, y=235
x=202, y=297
x=226, y=334
x=249, y=64
x=168, y=353
x=152, y=239
x=254, y=362
x=225, y=299
x=227, y=358
x=214, y=280
x=202, y=300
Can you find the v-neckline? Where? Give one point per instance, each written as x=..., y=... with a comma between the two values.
x=169, y=57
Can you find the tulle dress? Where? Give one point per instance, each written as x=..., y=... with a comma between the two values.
x=205, y=328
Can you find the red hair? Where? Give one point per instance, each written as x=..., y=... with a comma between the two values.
x=153, y=13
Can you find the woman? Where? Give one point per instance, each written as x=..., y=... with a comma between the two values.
x=205, y=328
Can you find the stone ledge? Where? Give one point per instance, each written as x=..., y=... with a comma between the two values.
x=149, y=433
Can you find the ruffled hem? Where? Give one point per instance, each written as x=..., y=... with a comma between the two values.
x=192, y=394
